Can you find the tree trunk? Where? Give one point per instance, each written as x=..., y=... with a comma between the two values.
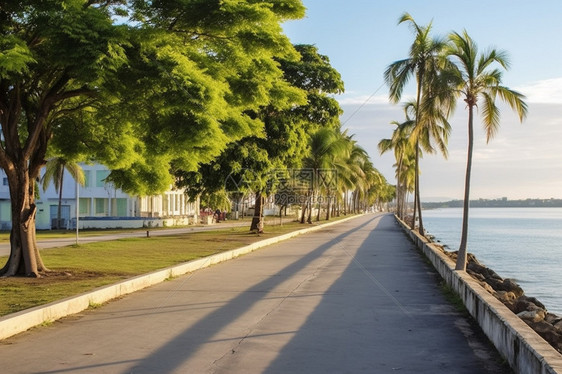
x=309, y=219
x=59, y=209
x=462, y=253
x=24, y=259
x=416, y=181
x=417, y=204
x=328, y=207
x=399, y=190
x=304, y=207
x=257, y=220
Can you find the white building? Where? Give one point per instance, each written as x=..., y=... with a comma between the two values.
x=101, y=205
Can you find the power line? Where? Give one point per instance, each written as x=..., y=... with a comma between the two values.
x=362, y=105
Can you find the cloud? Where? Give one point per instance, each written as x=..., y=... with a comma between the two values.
x=363, y=99
x=523, y=160
x=548, y=91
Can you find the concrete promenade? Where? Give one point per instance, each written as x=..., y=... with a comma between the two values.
x=351, y=298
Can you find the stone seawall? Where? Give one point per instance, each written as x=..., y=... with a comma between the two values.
x=524, y=350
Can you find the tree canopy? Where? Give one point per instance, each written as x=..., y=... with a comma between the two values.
x=135, y=85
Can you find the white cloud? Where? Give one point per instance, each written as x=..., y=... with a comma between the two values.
x=523, y=160
x=363, y=99
x=548, y=91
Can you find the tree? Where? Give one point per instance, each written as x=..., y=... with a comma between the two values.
x=326, y=146
x=54, y=173
x=135, y=85
x=476, y=80
x=287, y=124
x=434, y=100
x=399, y=142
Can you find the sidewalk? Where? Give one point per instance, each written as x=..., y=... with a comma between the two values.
x=352, y=298
x=71, y=240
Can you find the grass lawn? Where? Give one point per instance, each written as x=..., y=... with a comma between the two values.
x=77, y=269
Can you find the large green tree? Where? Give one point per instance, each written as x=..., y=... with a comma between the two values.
x=250, y=163
x=478, y=78
x=137, y=85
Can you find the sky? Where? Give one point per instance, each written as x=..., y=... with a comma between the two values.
x=362, y=37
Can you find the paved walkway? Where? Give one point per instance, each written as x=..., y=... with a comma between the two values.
x=71, y=239
x=352, y=298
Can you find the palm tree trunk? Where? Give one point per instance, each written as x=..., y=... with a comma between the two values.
x=328, y=207
x=59, y=208
x=413, y=227
x=417, y=204
x=462, y=254
x=398, y=189
x=318, y=205
x=310, y=197
x=420, y=226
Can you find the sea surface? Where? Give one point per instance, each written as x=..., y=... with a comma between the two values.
x=524, y=244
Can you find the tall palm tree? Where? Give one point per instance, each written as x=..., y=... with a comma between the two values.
x=477, y=80
x=54, y=173
x=400, y=144
x=430, y=132
x=425, y=63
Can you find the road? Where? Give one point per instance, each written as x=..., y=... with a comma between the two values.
x=352, y=298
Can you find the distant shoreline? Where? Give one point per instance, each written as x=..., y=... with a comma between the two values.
x=497, y=203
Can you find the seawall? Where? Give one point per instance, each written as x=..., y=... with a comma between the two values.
x=524, y=350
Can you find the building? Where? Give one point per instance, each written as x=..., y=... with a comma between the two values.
x=102, y=205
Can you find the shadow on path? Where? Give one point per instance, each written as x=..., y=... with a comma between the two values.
x=175, y=352
x=385, y=314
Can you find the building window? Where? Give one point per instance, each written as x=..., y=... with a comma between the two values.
x=101, y=206
x=100, y=177
x=84, y=209
x=4, y=181
x=121, y=208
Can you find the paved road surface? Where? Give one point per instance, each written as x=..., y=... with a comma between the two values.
x=71, y=239
x=353, y=298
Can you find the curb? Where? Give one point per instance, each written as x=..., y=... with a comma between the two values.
x=18, y=322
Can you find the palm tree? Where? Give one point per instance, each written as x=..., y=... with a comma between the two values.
x=477, y=80
x=54, y=173
x=424, y=62
x=406, y=173
x=399, y=142
x=432, y=127
x=325, y=146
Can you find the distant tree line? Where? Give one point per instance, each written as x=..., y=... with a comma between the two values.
x=497, y=203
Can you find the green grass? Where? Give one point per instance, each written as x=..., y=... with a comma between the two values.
x=77, y=269
x=453, y=298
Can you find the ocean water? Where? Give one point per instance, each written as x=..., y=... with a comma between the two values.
x=524, y=244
